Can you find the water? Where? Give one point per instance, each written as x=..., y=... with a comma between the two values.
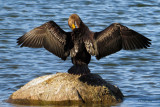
x=136, y=73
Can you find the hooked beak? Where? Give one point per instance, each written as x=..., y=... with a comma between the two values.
x=73, y=26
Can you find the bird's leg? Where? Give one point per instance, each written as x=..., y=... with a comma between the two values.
x=79, y=69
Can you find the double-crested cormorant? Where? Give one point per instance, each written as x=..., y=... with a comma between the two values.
x=81, y=43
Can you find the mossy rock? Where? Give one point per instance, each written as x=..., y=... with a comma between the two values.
x=67, y=89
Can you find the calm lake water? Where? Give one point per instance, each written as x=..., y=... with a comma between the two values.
x=136, y=73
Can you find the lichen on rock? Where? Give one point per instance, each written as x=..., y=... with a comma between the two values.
x=67, y=89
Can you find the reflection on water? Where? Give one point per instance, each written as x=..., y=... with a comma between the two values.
x=136, y=73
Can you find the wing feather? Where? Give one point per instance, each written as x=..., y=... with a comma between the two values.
x=117, y=37
x=50, y=36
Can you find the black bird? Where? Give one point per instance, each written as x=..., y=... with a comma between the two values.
x=81, y=43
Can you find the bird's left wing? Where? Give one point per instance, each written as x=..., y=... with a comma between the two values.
x=50, y=36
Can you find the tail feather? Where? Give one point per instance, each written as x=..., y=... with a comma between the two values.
x=79, y=70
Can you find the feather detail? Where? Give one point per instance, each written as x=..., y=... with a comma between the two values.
x=51, y=37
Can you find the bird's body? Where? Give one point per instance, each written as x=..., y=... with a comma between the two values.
x=79, y=55
x=81, y=43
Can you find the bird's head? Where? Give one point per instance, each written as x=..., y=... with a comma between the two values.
x=74, y=21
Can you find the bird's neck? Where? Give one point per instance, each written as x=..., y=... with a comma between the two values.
x=84, y=27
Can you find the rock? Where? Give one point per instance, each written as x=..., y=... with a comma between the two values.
x=67, y=89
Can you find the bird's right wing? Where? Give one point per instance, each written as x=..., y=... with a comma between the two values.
x=51, y=37
x=114, y=38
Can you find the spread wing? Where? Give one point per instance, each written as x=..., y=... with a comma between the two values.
x=50, y=36
x=117, y=37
